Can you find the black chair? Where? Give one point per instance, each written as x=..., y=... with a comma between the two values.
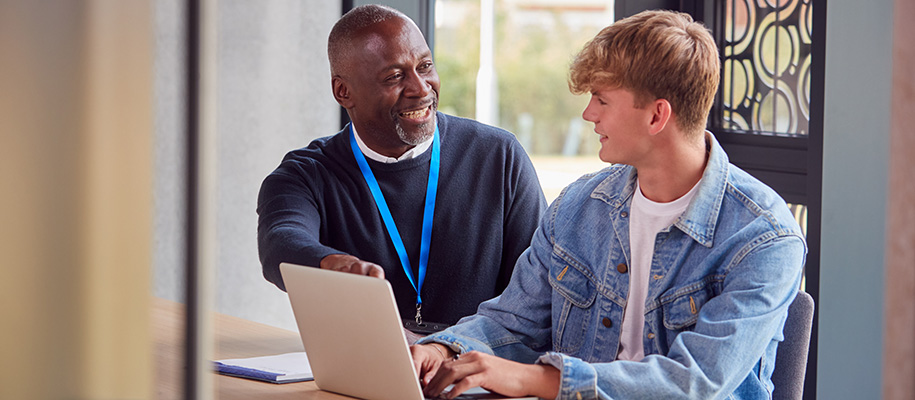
x=791, y=358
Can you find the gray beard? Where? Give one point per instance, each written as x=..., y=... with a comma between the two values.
x=414, y=140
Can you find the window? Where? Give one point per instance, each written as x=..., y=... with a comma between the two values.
x=766, y=59
x=506, y=63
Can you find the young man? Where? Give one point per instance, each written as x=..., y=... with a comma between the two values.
x=667, y=275
x=440, y=206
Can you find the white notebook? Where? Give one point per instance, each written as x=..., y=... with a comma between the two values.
x=280, y=368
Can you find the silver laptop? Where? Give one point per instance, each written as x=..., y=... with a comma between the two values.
x=353, y=336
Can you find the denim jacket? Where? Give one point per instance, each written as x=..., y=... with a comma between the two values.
x=722, y=277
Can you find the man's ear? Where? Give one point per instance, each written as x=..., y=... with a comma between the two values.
x=341, y=91
x=660, y=115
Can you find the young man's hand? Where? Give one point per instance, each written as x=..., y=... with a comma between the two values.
x=351, y=264
x=492, y=373
x=427, y=358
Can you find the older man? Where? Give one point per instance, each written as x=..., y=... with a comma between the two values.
x=441, y=206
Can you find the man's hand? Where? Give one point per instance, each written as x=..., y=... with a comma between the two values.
x=427, y=358
x=492, y=373
x=353, y=265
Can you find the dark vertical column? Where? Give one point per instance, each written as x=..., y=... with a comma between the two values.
x=192, y=315
x=628, y=8
x=695, y=8
x=815, y=186
x=346, y=5
x=426, y=22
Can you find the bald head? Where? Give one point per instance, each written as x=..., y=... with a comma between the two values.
x=343, y=38
x=383, y=74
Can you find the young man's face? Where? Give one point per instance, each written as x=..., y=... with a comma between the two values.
x=622, y=127
x=395, y=86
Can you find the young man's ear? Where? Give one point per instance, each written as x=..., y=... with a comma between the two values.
x=341, y=92
x=660, y=115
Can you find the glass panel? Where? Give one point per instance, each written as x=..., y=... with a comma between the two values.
x=521, y=84
x=800, y=214
x=766, y=56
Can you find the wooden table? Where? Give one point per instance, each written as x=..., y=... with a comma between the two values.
x=235, y=338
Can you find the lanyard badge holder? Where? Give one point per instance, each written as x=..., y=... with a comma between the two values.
x=388, y=219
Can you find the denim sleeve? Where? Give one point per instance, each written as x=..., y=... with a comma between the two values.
x=731, y=336
x=516, y=324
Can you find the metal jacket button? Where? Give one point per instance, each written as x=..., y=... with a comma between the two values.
x=622, y=268
x=607, y=322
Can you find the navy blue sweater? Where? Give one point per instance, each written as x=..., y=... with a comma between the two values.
x=489, y=203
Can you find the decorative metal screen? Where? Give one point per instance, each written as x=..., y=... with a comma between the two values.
x=766, y=55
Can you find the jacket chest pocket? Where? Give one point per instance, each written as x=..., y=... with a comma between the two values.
x=681, y=308
x=573, y=295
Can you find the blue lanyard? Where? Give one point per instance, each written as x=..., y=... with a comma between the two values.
x=388, y=219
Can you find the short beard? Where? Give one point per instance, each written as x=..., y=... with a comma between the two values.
x=426, y=132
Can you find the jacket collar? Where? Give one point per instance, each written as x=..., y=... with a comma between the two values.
x=701, y=216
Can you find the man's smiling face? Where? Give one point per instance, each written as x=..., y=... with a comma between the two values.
x=621, y=125
x=393, y=86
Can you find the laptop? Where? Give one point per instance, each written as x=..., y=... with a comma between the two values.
x=353, y=335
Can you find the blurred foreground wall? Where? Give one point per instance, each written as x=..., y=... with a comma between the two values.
x=76, y=199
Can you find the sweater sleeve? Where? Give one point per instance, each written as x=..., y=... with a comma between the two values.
x=288, y=226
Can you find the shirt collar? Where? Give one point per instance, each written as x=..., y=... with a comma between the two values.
x=701, y=216
x=372, y=154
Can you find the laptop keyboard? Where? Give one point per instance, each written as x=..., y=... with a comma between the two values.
x=476, y=393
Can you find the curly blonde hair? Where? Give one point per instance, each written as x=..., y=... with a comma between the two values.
x=656, y=55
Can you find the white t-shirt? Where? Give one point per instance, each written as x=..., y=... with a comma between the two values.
x=647, y=219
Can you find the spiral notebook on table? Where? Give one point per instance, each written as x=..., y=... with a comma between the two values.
x=280, y=368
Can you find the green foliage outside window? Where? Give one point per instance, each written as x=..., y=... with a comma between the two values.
x=531, y=63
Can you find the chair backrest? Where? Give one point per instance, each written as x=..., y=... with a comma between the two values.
x=791, y=357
